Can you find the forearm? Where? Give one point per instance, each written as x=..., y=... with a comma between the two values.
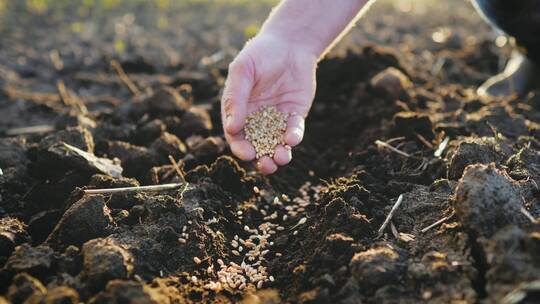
x=314, y=24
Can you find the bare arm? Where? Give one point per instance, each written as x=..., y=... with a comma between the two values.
x=314, y=24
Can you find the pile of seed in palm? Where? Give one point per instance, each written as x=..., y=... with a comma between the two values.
x=265, y=129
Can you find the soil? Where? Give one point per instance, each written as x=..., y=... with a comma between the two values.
x=59, y=245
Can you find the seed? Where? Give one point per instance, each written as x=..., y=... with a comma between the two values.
x=197, y=260
x=260, y=284
x=220, y=262
x=194, y=279
x=236, y=252
x=278, y=254
x=182, y=240
x=265, y=129
x=271, y=278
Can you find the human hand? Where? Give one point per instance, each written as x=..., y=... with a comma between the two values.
x=268, y=71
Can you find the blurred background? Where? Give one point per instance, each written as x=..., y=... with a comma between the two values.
x=171, y=33
x=45, y=42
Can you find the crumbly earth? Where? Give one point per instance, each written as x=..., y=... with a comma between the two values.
x=307, y=234
x=265, y=129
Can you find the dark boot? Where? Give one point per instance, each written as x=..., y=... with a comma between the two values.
x=520, y=76
x=521, y=20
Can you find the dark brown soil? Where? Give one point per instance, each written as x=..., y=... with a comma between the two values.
x=58, y=245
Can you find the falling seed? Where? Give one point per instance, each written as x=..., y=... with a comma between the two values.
x=197, y=260
x=295, y=232
x=271, y=278
x=278, y=254
x=182, y=240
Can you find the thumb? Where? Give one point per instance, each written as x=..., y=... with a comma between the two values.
x=235, y=95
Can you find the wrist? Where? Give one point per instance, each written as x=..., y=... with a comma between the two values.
x=300, y=44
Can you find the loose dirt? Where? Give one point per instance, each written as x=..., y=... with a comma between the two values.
x=307, y=234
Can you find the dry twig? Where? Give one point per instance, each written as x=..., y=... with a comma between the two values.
x=69, y=98
x=29, y=130
x=125, y=78
x=179, y=170
x=528, y=215
x=152, y=188
x=441, y=147
x=382, y=144
x=391, y=214
x=444, y=219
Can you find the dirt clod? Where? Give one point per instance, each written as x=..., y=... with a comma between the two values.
x=12, y=233
x=86, y=219
x=104, y=260
x=487, y=199
x=472, y=151
x=413, y=123
x=392, y=82
x=376, y=267
x=23, y=287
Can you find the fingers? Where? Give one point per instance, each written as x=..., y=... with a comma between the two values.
x=243, y=150
x=266, y=165
x=235, y=96
x=283, y=155
x=295, y=130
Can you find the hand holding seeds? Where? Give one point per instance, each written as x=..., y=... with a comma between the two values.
x=267, y=95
